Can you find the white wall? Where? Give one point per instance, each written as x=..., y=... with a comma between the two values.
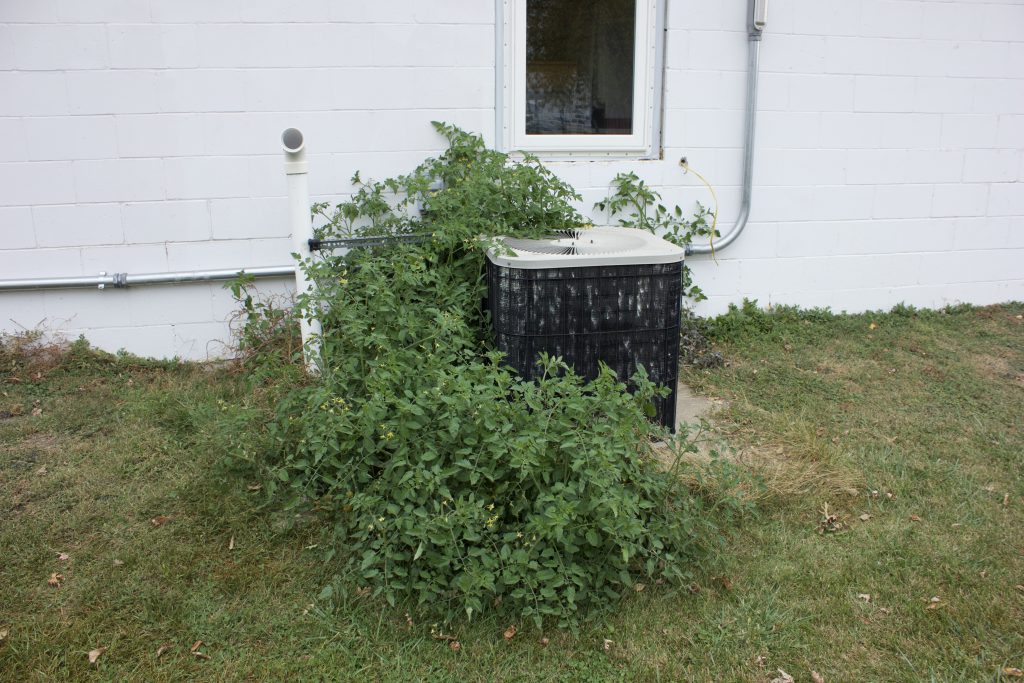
x=143, y=136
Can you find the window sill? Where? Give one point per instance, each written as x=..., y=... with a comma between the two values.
x=590, y=155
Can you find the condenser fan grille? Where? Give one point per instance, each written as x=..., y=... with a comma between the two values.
x=592, y=242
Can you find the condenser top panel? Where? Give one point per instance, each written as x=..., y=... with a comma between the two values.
x=585, y=247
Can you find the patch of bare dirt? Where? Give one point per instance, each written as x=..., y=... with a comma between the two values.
x=37, y=443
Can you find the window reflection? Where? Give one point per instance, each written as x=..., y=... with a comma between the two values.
x=579, y=67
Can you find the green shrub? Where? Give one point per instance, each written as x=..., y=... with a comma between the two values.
x=451, y=482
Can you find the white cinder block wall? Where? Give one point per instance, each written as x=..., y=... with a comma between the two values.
x=142, y=136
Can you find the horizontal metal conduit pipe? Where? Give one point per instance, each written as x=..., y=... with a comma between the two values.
x=122, y=280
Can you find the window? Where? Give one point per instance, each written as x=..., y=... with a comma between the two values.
x=580, y=77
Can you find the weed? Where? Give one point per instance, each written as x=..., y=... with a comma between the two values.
x=639, y=206
x=451, y=482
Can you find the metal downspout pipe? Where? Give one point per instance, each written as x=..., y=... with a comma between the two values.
x=757, y=18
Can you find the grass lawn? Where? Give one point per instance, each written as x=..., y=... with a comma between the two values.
x=111, y=462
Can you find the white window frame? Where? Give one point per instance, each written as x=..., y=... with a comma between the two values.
x=648, y=64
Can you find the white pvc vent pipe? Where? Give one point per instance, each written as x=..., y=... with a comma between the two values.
x=301, y=221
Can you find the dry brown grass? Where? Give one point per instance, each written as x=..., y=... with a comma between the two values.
x=778, y=473
x=30, y=354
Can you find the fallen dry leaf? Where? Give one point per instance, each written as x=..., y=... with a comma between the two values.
x=195, y=646
x=254, y=487
x=202, y=655
x=761, y=661
x=440, y=635
x=783, y=677
x=544, y=642
x=865, y=517
x=1006, y=499
x=866, y=597
x=872, y=326
x=455, y=646
x=1012, y=671
x=408, y=620
x=934, y=603
x=95, y=654
x=162, y=650
x=231, y=543
x=1020, y=587
x=63, y=557
x=725, y=582
x=608, y=645
x=885, y=610
x=817, y=677
x=915, y=518
x=639, y=588
x=41, y=471
x=159, y=520
x=54, y=580
x=363, y=591
x=4, y=632
x=37, y=412
x=118, y=563
x=510, y=632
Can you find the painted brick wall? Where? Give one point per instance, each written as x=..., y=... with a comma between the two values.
x=143, y=136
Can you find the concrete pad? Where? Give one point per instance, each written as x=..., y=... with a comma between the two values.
x=690, y=408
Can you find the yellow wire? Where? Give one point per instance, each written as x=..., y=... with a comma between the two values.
x=714, y=198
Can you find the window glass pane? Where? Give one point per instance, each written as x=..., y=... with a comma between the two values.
x=579, y=67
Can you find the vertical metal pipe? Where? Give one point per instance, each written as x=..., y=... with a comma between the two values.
x=750, y=125
x=297, y=171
